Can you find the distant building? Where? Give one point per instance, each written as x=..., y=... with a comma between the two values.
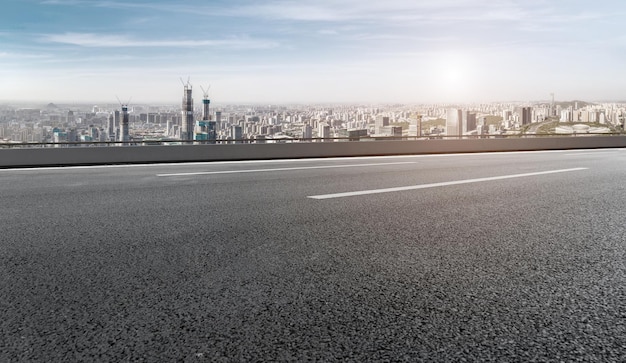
x=506, y=116
x=206, y=102
x=111, y=127
x=124, y=134
x=415, y=127
x=58, y=136
x=356, y=134
x=469, y=122
x=307, y=131
x=70, y=117
x=205, y=131
x=116, y=119
x=186, y=132
x=381, y=121
x=236, y=134
x=391, y=131
x=525, y=115
x=453, y=122
x=323, y=131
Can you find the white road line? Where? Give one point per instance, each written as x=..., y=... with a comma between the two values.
x=282, y=169
x=272, y=161
x=434, y=185
x=592, y=153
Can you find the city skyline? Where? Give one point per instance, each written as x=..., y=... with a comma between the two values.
x=312, y=51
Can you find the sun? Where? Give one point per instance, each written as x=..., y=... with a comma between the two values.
x=454, y=78
x=454, y=74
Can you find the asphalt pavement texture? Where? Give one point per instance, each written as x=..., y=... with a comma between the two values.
x=131, y=263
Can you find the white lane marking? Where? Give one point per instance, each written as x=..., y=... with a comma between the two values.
x=272, y=161
x=434, y=185
x=283, y=169
x=591, y=153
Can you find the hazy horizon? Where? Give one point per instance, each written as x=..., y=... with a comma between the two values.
x=304, y=52
x=219, y=104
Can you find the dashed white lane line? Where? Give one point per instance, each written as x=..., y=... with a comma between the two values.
x=283, y=169
x=442, y=184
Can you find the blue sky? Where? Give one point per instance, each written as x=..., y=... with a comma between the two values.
x=283, y=51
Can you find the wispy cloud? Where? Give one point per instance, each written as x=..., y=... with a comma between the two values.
x=10, y=55
x=123, y=41
x=167, y=7
x=358, y=10
x=327, y=32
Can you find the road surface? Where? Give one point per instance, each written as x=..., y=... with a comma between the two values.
x=491, y=257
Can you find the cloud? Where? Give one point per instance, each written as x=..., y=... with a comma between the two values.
x=122, y=41
x=7, y=55
x=152, y=5
x=327, y=32
x=358, y=10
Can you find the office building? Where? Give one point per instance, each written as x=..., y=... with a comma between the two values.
x=323, y=131
x=111, y=127
x=525, y=115
x=453, y=122
x=469, y=122
x=307, y=131
x=381, y=121
x=356, y=134
x=236, y=133
x=415, y=126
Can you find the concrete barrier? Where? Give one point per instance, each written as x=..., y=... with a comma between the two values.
x=27, y=157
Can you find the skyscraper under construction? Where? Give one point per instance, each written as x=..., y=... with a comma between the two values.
x=124, y=133
x=186, y=132
x=205, y=129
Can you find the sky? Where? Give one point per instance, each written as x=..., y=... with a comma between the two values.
x=313, y=51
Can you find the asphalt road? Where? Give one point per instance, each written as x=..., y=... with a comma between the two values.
x=481, y=257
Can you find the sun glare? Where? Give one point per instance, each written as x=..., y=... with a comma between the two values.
x=455, y=77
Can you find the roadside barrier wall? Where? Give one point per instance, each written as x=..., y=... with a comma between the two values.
x=14, y=157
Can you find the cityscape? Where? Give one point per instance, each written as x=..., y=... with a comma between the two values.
x=204, y=122
x=288, y=71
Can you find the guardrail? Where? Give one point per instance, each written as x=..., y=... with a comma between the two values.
x=48, y=156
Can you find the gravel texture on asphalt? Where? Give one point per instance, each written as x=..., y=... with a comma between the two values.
x=120, y=265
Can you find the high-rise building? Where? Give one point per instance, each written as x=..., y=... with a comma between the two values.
x=70, y=116
x=219, y=124
x=323, y=131
x=236, y=133
x=210, y=127
x=205, y=130
x=111, y=127
x=381, y=121
x=307, y=131
x=186, y=132
x=525, y=115
x=469, y=122
x=205, y=109
x=124, y=133
x=506, y=115
x=453, y=122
